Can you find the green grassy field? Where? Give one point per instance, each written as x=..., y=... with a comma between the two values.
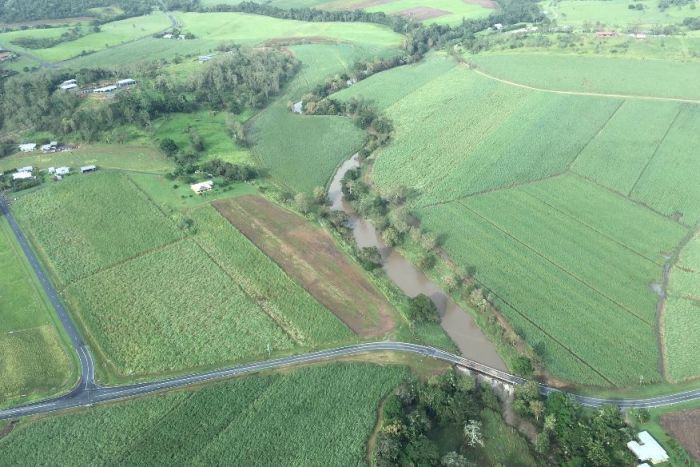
x=34, y=361
x=129, y=157
x=613, y=13
x=310, y=416
x=669, y=182
x=255, y=29
x=303, y=151
x=559, y=267
x=443, y=11
x=211, y=126
x=211, y=297
x=490, y=128
x=661, y=78
x=111, y=34
x=681, y=326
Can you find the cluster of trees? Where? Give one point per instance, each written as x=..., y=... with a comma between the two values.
x=29, y=10
x=570, y=435
x=692, y=23
x=664, y=4
x=420, y=412
x=242, y=78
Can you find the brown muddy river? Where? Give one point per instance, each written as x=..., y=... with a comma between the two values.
x=457, y=323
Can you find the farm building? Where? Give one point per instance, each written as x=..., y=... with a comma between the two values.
x=28, y=147
x=68, y=87
x=28, y=168
x=63, y=171
x=647, y=449
x=88, y=168
x=167, y=36
x=50, y=147
x=298, y=107
x=204, y=58
x=202, y=187
x=22, y=175
x=105, y=89
x=126, y=82
x=606, y=34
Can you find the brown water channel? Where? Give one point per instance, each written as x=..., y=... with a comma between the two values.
x=458, y=324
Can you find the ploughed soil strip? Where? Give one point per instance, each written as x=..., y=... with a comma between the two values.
x=309, y=255
x=483, y=3
x=685, y=427
x=423, y=12
x=368, y=4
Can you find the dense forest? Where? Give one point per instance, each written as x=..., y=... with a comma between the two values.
x=28, y=10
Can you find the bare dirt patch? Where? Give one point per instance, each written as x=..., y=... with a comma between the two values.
x=684, y=427
x=309, y=255
x=423, y=12
x=482, y=3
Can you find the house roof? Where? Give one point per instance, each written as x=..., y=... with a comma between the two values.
x=647, y=449
x=202, y=186
x=21, y=175
x=88, y=167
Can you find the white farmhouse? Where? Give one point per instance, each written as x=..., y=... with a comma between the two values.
x=647, y=449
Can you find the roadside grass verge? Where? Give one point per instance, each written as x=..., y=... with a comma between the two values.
x=319, y=415
x=34, y=361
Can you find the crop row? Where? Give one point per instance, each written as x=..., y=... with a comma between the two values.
x=312, y=416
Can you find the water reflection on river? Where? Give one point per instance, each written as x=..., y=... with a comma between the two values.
x=459, y=325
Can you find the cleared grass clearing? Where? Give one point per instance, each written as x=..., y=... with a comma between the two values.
x=90, y=222
x=250, y=29
x=171, y=310
x=567, y=283
x=293, y=308
x=681, y=312
x=620, y=152
x=303, y=151
x=33, y=359
x=142, y=50
x=669, y=183
x=113, y=156
x=493, y=136
x=662, y=78
x=211, y=126
x=310, y=416
x=327, y=274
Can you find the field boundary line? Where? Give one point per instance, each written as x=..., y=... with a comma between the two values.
x=595, y=135
x=584, y=93
x=495, y=190
x=656, y=150
x=563, y=269
x=602, y=234
x=632, y=200
x=254, y=300
x=123, y=261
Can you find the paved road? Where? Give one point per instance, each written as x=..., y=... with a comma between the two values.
x=87, y=392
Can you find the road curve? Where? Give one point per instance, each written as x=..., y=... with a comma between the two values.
x=87, y=392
